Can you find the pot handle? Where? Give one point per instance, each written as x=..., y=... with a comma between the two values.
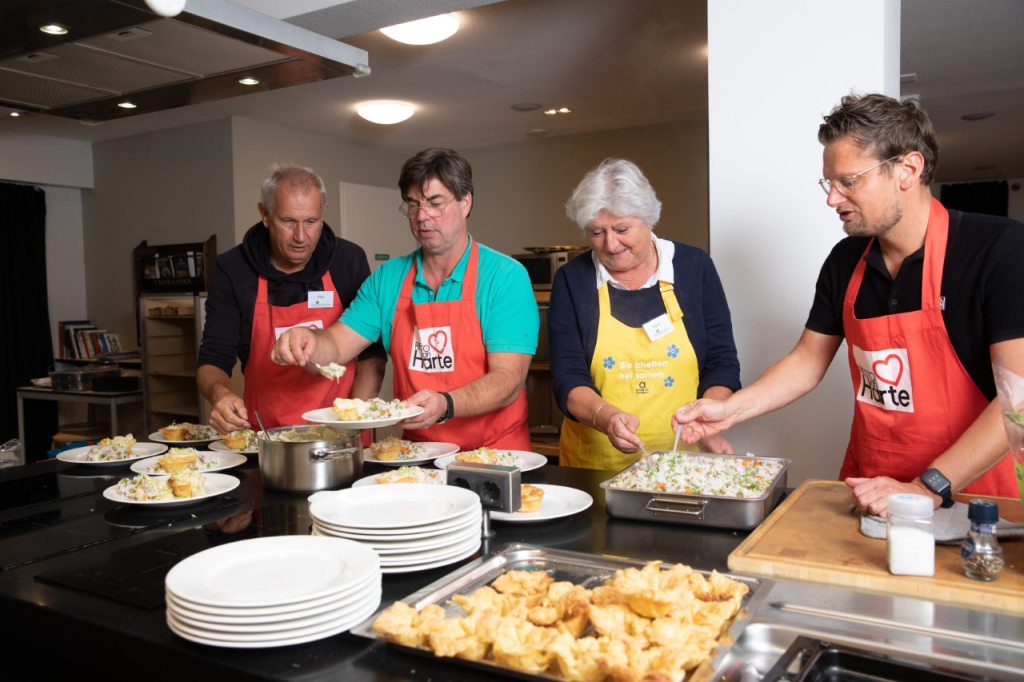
x=327, y=454
x=696, y=506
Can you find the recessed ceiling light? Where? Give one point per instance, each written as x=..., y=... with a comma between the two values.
x=127, y=105
x=978, y=117
x=565, y=110
x=560, y=110
x=385, y=113
x=526, y=106
x=54, y=29
x=15, y=114
x=551, y=112
x=248, y=81
x=423, y=31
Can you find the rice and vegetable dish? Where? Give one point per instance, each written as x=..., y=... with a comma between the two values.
x=685, y=472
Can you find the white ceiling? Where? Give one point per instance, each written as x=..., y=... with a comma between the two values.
x=616, y=63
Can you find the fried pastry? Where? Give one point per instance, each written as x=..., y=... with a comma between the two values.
x=531, y=497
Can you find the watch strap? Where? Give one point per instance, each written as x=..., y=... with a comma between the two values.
x=449, y=411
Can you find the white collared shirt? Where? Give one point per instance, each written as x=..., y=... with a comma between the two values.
x=665, y=273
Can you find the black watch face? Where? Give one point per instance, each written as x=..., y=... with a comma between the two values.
x=935, y=481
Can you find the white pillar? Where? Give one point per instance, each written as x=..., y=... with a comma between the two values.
x=774, y=69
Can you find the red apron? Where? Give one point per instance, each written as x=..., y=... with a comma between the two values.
x=913, y=397
x=439, y=346
x=281, y=393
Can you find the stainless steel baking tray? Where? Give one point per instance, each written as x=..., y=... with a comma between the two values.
x=589, y=570
x=738, y=513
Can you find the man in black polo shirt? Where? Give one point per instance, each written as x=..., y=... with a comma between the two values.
x=926, y=300
x=289, y=271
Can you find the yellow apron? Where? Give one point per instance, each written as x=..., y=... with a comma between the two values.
x=650, y=379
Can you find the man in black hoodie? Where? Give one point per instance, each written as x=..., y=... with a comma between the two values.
x=290, y=270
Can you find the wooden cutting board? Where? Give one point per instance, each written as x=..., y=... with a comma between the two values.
x=813, y=536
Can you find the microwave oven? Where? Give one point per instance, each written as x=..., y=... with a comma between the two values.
x=542, y=266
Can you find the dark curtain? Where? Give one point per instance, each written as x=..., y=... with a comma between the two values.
x=27, y=351
x=990, y=198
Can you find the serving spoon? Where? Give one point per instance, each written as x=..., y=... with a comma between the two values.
x=260, y=422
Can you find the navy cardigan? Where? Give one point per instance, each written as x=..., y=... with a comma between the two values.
x=573, y=317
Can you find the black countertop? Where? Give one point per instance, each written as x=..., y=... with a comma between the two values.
x=58, y=531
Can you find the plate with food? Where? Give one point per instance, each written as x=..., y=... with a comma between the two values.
x=393, y=451
x=543, y=502
x=243, y=440
x=353, y=413
x=177, y=489
x=177, y=460
x=406, y=474
x=112, y=452
x=523, y=460
x=185, y=433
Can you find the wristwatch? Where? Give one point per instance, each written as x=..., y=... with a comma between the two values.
x=450, y=411
x=938, y=484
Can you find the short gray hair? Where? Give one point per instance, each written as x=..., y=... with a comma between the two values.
x=298, y=177
x=617, y=186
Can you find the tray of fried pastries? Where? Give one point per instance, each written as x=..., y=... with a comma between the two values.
x=537, y=613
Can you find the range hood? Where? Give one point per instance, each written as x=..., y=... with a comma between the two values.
x=119, y=50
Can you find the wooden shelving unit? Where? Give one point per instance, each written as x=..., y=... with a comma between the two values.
x=169, y=342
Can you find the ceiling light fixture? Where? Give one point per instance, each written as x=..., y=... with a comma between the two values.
x=127, y=105
x=560, y=110
x=385, y=113
x=978, y=117
x=423, y=31
x=551, y=112
x=15, y=114
x=565, y=110
x=248, y=81
x=54, y=29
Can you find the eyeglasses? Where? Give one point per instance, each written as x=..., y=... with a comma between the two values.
x=846, y=185
x=433, y=209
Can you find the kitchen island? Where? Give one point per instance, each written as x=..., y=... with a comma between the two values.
x=81, y=590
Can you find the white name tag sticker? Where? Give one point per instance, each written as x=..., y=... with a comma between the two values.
x=658, y=327
x=312, y=324
x=321, y=299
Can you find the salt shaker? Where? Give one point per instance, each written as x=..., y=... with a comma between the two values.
x=910, y=535
x=980, y=553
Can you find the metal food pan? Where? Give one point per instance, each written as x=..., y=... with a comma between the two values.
x=737, y=513
x=589, y=570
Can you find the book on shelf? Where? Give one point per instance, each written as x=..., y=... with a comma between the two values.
x=82, y=340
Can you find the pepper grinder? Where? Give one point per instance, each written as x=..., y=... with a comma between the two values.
x=980, y=553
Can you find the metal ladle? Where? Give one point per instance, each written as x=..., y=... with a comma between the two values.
x=259, y=421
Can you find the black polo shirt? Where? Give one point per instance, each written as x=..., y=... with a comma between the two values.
x=982, y=288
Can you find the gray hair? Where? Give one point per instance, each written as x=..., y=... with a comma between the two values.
x=296, y=177
x=617, y=186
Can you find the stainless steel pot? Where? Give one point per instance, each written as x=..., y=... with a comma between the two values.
x=309, y=457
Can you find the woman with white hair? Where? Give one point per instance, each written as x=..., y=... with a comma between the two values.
x=638, y=326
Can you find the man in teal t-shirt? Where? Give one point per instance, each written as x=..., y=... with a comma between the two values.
x=458, y=318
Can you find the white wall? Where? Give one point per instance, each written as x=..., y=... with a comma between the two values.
x=43, y=160
x=774, y=69
x=65, y=266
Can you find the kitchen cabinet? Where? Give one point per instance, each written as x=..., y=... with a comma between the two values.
x=170, y=332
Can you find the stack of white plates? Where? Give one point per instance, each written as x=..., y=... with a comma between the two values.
x=273, y=591
x=413, y=527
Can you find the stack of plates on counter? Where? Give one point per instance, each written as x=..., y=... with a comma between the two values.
x=413, y=527
x=273, y=591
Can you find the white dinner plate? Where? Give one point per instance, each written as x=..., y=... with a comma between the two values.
x=369, y=536
x=433, y=564
x=325, y=415
x=558, y=501
x=290, y=625
x=394, y=506
x=388, y=551
x=530, y=460
x=273, y=614
x=220, y=446
x=202, y=637
x=433, y=450
x=435, y=476
x=208, y=462
x=426, y=556
x=158, y=437
x=269, y=571
x=139, y=451
x=214, y=484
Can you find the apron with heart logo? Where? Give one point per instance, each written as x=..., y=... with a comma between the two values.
x=913, y=398
x=439, y=346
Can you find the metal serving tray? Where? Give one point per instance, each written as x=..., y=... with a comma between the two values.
x=589, y=570
x=737, y=513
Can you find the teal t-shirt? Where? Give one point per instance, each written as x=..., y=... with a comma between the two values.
x=505, y=303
